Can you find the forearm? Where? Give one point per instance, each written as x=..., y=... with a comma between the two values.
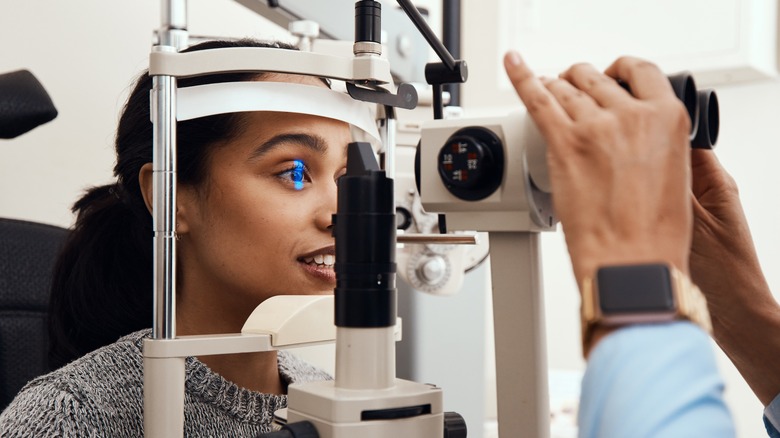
x=745, y=315
x=749, y=333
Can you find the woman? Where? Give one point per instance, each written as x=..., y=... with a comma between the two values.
x=256, y=193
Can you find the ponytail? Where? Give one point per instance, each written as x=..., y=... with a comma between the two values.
x=102, y=283
x=102, y=287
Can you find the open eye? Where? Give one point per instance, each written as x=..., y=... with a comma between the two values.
x=297, y=174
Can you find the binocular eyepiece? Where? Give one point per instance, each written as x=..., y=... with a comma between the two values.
x=702, y=107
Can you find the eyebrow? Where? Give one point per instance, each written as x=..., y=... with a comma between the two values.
x=309, y=141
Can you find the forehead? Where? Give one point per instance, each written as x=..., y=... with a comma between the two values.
x=267, y=124
x=263, y=125
x=294, y=79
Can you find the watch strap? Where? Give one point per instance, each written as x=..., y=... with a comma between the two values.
x=690, y=304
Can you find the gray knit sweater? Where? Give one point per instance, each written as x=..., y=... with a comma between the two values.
x=101, y=395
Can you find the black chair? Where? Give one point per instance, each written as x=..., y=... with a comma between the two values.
x=28, y=251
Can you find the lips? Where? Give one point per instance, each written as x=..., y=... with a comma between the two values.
x=319, y=263
x=324, y=257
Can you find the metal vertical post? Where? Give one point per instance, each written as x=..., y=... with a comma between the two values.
x=388, y=134
x=521, y=353
x=164, y=206
x=164, y=377
x=172, y=34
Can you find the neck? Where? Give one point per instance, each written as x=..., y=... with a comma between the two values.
x=256, y=371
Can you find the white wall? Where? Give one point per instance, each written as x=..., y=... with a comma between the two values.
x=86, y=53
x=749, y=144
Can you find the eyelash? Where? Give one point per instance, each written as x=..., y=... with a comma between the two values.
x=296, y=174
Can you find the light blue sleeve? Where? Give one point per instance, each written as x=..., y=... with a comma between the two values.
x=772, y=418
x=655, y=380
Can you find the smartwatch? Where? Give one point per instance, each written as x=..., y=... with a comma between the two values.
x=637, y=294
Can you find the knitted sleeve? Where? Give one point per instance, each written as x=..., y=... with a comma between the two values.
x=44, y=410
x=99, y=394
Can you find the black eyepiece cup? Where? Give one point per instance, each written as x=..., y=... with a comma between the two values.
x=709, y=120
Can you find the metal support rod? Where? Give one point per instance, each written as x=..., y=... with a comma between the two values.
x=172, y=32
x=388, y=134
x=164, y=377
x=451, y=31
x=521, y=353
x=173, y=15
x=173, y=24
x=441, y=239
x=164, y=206
x=426, y=31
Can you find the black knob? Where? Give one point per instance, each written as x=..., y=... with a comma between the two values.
x=302, y=429
x=368, y=21
x=454, y=425
x=471, y=163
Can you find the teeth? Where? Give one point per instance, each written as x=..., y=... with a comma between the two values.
x=321, y=259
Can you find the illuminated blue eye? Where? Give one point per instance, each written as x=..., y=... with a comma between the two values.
x=297, y=174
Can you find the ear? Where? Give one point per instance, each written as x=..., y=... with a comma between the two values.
x=145, y=180
x=184, y=198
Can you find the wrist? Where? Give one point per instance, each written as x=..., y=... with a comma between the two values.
x=628, y=294
x=586, y=263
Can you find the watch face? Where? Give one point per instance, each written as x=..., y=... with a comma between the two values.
x=635, y=289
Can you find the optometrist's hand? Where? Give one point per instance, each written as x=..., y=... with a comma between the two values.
x=723, y=260
x=724, y=264
x=619, y=164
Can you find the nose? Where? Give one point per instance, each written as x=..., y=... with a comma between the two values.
x=327, y=208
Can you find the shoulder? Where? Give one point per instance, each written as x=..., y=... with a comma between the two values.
x=72, y=399
x=295, y=370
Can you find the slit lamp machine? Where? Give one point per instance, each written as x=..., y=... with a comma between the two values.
x=486, y=175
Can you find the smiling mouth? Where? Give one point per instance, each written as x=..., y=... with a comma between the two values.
x=320, y=260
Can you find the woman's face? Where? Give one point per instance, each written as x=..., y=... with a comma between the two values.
x=259, y=225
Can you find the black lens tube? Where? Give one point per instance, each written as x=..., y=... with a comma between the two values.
x=364, y=228
x=685, y=89
x=709, y=120
x=368, y=21
x=701, y=105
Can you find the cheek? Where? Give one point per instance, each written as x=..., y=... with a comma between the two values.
x=272, y=223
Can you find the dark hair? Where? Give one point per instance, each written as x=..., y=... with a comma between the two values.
x=102, y=282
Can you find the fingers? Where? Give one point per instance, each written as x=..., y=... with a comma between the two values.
x=704, y=158
x=575, y=102
x=540, y=102
x=603, y=89
x=645, y=78
x=707, y=172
